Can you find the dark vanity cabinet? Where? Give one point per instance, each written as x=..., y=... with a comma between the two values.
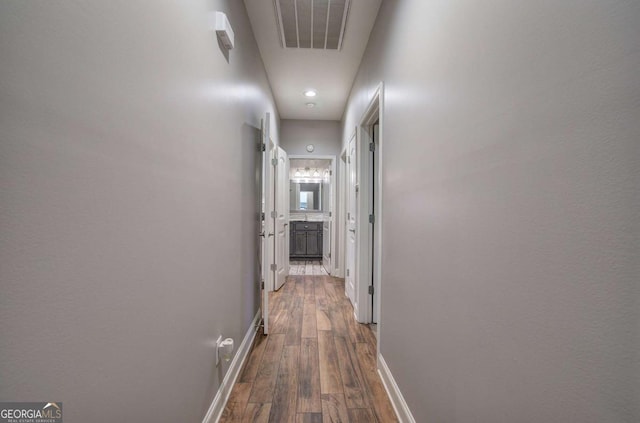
x=306, y=240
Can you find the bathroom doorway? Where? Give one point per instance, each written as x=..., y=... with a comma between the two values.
x=311, y=214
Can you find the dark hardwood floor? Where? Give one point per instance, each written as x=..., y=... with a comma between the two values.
x=316, y=365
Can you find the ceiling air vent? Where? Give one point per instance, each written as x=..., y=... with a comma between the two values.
x=312, y=23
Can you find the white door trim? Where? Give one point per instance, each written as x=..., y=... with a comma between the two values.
x=341, y=228
x=333, y=196
x=374, y=112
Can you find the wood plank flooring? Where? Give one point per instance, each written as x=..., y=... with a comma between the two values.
x=306, y=267
x=318, y=365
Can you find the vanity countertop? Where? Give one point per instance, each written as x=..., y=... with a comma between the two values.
x=310, y=217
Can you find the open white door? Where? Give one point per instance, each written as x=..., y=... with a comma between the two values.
x=282, y=217
x=267, y=234
x=351, y=223
x=327, y=223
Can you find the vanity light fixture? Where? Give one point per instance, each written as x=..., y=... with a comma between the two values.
x=298, y=174
x=310, y=93
x=316, y=174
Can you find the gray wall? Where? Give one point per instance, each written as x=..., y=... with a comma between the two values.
x=511, y=207
x=325, y=135
x=127, y=204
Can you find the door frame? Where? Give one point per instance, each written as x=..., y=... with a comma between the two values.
x=332, y=198
x=341, y=228
x=370, y=266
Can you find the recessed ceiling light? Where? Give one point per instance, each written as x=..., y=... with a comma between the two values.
x=310, y=93
x=311, y=105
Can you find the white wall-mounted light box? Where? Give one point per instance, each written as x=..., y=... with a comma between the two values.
x=221, y=25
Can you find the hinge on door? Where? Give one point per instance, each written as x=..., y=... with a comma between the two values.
x=347, y=272
x=349, y=159
x=370, y=289
x=274, y=162
x=329, y=214
x=372, y=218
x=372, y=147
x=261, y=284
x=263, y=147
x=348, y=216
x=274, y=214
x=262, y=216
x=329, y=255
x=330, y=172
x=274, y=267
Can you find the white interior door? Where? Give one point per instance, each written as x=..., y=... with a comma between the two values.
x=351, y=222
x=268, y=246
x=327, y=223
x=326, y=244
x=282, y=217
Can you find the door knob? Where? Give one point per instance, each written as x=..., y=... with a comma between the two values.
x=352, y=230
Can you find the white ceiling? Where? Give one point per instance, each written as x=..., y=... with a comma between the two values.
x=329, y=72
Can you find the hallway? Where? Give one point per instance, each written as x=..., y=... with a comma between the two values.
x=316, y=365
x=471, y=170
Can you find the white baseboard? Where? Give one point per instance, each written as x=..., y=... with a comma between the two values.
x=338, y=273
x=397, y=400
x=221, y=398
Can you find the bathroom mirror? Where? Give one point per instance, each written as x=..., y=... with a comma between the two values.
x=305, y=196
